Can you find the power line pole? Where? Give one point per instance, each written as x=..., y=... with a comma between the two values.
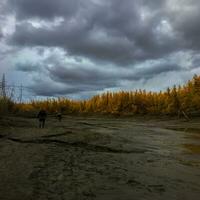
x=21, y=93
x=3, y=86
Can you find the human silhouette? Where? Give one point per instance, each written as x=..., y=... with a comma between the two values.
x=42, y=115
x=59, y=116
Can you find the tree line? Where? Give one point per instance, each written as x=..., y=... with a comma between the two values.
x=172, y=101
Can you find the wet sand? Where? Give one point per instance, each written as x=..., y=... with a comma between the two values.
x=86, y=158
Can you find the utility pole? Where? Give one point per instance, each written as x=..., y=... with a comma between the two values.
x=3, y=86
x=21, y=94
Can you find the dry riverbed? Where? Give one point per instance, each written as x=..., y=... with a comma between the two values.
x=86, y=158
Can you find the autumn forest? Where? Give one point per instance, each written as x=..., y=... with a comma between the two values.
x=173, y=101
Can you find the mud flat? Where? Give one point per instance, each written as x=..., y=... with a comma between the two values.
x=86, y=158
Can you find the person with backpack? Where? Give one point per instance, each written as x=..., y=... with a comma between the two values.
x=42, y=115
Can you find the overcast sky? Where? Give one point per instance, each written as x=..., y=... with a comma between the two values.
x=78, y=48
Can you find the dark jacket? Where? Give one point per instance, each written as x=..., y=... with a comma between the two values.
x=42, y=115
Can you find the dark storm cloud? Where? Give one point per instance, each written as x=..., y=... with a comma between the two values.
x=49, y=88
x=121, y=32
x=62, y=80
x=187, y=24
x=1, y=18
x=76, y=79
x=1, y=34
x=113, y=31
x=68, y=85
x=135, y=38
x=195, y=61
x=46, y=9
x=152, y=71
x=81, y=75
x=27, y=67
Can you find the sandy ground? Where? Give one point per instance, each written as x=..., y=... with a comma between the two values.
x=86, y=158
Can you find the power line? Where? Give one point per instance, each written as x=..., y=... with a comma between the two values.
x=16, y=86
x=15, y=92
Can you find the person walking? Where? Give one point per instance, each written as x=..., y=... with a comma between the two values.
x=42, y=115
x=59, y=116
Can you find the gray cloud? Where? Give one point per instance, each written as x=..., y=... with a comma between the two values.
x=49, y=88
x=82, y=75
x=116, y=31
x=78, y=78
x=113, y=31
x=46, y=9
x=1, y=35
x=152, y=71
x=124, y=40
x=27, y=67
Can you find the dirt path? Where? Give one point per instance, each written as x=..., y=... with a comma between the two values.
x=100, y=159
